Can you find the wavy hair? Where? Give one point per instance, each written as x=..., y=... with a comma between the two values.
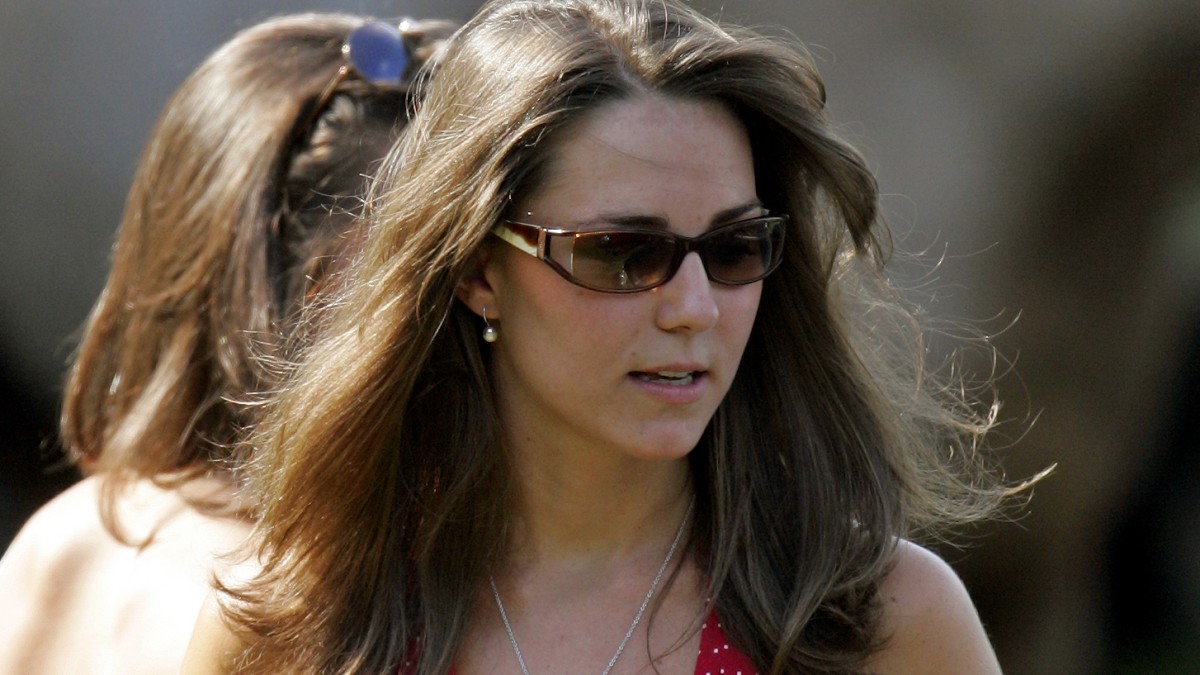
x=385, y=487
x=234, y=214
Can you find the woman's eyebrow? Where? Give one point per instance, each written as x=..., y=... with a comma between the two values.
x=731, y=214
x=656, y=222
x=660, y=223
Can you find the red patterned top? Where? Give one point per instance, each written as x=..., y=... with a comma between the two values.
x=716, y=657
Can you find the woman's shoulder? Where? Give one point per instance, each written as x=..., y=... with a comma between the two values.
x=161, y=526
x=929, y=622
x=213, y=644
x=37, y=573
x=52, y=533
x=76, y=598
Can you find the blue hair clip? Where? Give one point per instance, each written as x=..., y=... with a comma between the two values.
x=377, y=52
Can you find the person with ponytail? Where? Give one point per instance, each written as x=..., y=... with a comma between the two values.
x=243, y=205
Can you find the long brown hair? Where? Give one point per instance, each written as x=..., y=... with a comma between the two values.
x=385, y=485
x=233, y=215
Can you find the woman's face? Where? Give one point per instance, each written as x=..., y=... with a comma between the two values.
x=635, y=375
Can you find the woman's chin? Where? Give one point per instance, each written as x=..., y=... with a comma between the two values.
x=665, y=447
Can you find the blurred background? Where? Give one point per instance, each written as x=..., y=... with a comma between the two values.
x=1049, y=150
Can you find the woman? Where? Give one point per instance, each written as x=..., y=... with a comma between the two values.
x=617, y=385
x=244, y=197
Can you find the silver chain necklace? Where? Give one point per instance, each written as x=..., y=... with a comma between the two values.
x=637, y=618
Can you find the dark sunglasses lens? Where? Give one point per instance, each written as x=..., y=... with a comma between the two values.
x=377, y=51
x=621, y=261
x=743, y=253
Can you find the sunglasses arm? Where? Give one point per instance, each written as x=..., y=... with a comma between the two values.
x=508, y=234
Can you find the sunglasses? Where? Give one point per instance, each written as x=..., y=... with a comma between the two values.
x=375, y=53
x=628, y=260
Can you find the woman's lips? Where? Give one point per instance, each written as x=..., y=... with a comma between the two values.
x=674, y=378
x=678, y=387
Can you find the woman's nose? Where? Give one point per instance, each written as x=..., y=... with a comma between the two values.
x=688, y=303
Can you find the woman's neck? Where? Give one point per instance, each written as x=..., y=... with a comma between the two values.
x=598, y=511
x=597, y=538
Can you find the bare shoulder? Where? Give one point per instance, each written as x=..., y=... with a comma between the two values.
x=78, y=600
x=72, y=512
x=47, y=541
x=214, y=644
x=46, y=557
x=930, y=622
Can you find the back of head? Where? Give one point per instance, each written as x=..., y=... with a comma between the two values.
x=244, y=194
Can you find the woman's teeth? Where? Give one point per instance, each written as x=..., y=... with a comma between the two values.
x=669, y=377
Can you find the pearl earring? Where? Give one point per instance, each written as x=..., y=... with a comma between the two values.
x=490, y=334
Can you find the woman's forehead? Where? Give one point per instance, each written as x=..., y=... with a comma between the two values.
x=646, y=157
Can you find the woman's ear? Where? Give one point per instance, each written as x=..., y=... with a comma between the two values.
x=475, y=290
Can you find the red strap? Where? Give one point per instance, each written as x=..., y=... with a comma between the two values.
x=717, y=656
